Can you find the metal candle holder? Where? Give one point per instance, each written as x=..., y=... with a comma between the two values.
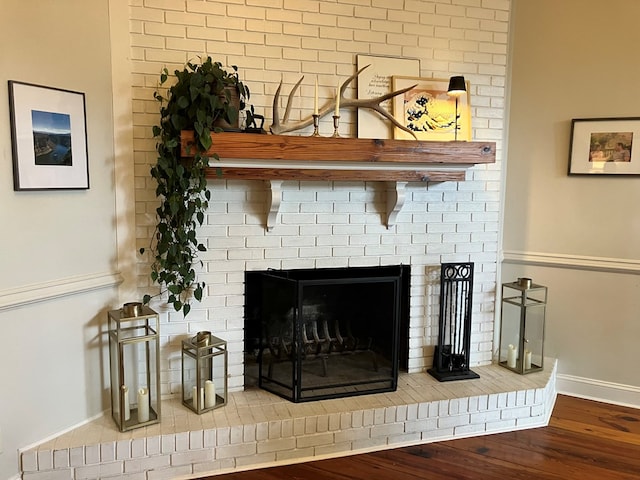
x=336, y=124
x=204, y=372
x=316, y=119
x=522, y=326
x=134, y=358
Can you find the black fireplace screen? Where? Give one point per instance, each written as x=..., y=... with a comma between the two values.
x=326, y=333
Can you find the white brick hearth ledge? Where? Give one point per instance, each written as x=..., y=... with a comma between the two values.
x=258, y=429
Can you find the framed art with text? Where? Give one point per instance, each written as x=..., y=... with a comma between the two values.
x=375, y=81
x=49, y=138
x=605, y=146
x=429, y=111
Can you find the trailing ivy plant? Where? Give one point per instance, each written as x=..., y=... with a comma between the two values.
x=199, y=98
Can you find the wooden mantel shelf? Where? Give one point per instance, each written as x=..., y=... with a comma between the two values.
x=276, y=158
x=281, y=157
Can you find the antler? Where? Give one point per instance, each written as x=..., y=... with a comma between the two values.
x=372, y=103
x=276, y=116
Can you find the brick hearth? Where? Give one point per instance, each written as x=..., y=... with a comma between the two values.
x=258, y=429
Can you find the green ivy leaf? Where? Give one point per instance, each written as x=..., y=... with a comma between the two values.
x=177, y=305
x=183, y=102
x=205, y=140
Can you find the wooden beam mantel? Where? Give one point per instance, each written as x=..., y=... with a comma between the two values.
x=275, y=158
x=344, y=150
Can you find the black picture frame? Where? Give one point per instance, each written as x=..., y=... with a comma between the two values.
x=605, y=146
x=48, y=138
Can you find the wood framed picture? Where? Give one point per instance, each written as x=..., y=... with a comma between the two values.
x=49, y=138
x=605, y=146
x=429, y=111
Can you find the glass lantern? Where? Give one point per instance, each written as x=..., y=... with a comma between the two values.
x=204, y=372
x=134, y=349
x=522, y=326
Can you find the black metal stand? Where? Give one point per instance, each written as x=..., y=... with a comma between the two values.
x=451, y=356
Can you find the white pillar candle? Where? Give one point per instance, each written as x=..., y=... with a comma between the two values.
x=209, y=394
x=512, y=354
x=527, y=359
x=337, y=113
x=126, y=405
x=198, y=400
x=143, y=404
x=315, y=98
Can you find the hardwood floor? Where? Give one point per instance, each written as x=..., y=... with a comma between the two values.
x=585, y=440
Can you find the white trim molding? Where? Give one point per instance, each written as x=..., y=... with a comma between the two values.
x=62, y=287
x=589, y=388
x=578, y=262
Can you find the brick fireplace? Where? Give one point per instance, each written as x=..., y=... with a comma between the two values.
x=321, y=224
x=347, y=223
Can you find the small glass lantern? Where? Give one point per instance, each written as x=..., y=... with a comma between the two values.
x=134, y=350
x=204, y=372
x=522, y=326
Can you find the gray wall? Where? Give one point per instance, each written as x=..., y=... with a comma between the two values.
x=576, y=234
x=58, y=248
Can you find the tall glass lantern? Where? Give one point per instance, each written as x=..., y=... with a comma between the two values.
x=522, y=326
x=134, y=349
x=204, y=372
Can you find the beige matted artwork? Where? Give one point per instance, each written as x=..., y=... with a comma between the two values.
x=375, y=81
x=429, y=111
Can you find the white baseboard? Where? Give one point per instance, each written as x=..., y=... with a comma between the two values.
x=608, y=392
x=62, y=432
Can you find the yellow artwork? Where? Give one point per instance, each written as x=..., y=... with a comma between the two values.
x=429, y=111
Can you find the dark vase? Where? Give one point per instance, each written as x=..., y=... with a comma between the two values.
x=234, y=101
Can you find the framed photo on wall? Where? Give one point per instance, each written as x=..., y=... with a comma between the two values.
x=429, y=111
x=48, y=137
x=605, y=146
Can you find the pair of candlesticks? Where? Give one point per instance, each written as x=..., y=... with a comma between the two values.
x=336, y=124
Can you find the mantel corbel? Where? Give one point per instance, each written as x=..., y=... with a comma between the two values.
x=396, y=197
x=274, y=201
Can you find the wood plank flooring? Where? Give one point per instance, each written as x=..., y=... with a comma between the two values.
x=585, y=440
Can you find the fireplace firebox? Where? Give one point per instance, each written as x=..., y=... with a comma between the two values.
x=326, y=333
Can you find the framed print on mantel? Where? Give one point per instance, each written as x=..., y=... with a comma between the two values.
x=48, y=137
x=605, y=146
x=375, y=81
x=429, y=111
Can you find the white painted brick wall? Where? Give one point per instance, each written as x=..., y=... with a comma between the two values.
x=327, y=224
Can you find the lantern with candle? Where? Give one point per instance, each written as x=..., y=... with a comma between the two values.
x=204, y=372
x=522, y=326
x=134, y=346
